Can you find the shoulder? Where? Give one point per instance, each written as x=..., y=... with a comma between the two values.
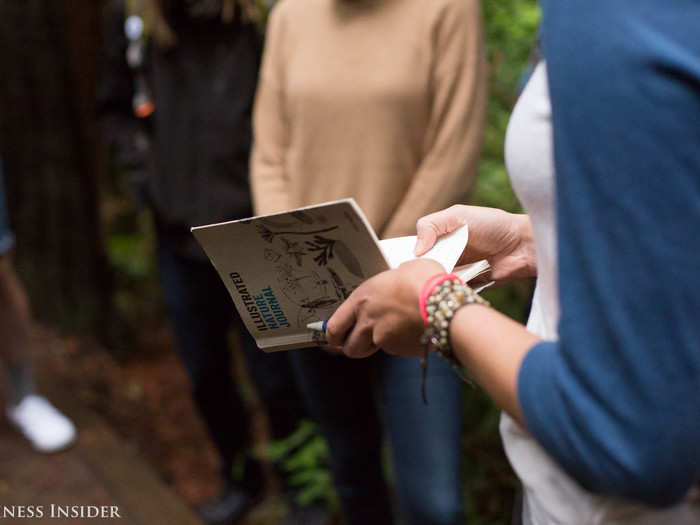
x=462, y=10
x=287, y=15
x=295, y=10
x=452, y=21
x=448, y=18
x=277, y=21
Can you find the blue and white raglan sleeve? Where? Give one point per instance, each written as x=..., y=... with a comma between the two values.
x=616, y=401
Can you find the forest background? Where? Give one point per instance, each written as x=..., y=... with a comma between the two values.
x=86, y=254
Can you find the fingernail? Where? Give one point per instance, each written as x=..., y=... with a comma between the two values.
x=419, y=247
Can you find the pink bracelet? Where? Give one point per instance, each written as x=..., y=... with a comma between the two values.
x=428, y=288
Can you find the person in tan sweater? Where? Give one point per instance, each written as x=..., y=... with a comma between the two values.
x=383, y=101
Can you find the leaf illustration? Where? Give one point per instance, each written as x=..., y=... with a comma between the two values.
x=278, y=222
x=265, y=233
x=269, y=235
x=323, y=248
x=303, y=217
x=338, y=284
x=348, y=259
x=319, y=303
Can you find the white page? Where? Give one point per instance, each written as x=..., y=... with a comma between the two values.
x=467, y=272
x=446, y=251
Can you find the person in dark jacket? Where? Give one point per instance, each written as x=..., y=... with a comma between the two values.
x=176, y=108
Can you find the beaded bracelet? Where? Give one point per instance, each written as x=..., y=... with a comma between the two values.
x=442, y=296
x=428, y=288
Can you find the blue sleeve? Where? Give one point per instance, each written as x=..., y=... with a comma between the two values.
x=617, y=400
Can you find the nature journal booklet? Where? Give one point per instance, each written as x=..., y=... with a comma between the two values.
x=292, y=268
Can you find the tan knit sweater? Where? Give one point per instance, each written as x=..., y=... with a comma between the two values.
x=380, y=100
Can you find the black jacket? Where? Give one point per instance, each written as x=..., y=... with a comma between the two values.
x=196, y=158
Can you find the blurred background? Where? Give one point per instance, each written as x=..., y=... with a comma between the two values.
x=86, y=258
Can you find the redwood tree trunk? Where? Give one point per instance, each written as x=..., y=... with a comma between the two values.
x=50, y=147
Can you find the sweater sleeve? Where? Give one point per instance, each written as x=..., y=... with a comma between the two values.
x=454, y=134
x=616, y=400
x=268, y=180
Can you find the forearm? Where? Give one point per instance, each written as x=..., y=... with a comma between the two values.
x=268, y=181
x=491, y=346
x=439, y=183
x=268, y=187
x=429, y=192
x=518, y=258
x=454, y=133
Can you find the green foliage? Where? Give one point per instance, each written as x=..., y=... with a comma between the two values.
x=303, y=457
x=511, y=27
x=129, y=242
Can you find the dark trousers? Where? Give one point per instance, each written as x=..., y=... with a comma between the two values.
x=202, y=313
x=425, y=441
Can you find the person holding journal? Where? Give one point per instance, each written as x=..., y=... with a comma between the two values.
x=600, y=390
x=382, y=101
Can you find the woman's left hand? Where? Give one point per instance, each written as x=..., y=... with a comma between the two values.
x=383, y=312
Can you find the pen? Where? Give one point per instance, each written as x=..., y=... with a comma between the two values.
x=318, y=326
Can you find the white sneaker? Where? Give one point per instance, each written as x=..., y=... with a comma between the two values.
x=42, y=424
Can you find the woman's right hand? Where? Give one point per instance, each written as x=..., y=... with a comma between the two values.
x=504, y=239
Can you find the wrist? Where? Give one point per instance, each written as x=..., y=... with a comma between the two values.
x=517, y=259
x=442, y=297
x=527, y=246
x=427, y=291
x=415, y=273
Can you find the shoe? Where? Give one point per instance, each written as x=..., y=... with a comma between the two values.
x=312, y=515
x=229, y=506
x=42, y=424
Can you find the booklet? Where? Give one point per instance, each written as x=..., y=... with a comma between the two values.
x=292, y=268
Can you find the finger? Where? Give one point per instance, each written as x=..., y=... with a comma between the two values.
x=435, y=225
x=405, y=351
x=396, y=338
x=332, y=350
x=341, y=322
x=359, y=343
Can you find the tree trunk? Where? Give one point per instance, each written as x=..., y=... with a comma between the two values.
x=52, y=160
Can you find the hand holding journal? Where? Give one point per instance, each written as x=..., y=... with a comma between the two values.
x=286, y=270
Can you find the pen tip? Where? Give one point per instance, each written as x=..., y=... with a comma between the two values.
x=317, y=325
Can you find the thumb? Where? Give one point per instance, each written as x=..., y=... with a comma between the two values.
x=427, y=233
x=433, y=226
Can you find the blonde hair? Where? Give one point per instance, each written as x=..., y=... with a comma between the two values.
x=164, y=36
